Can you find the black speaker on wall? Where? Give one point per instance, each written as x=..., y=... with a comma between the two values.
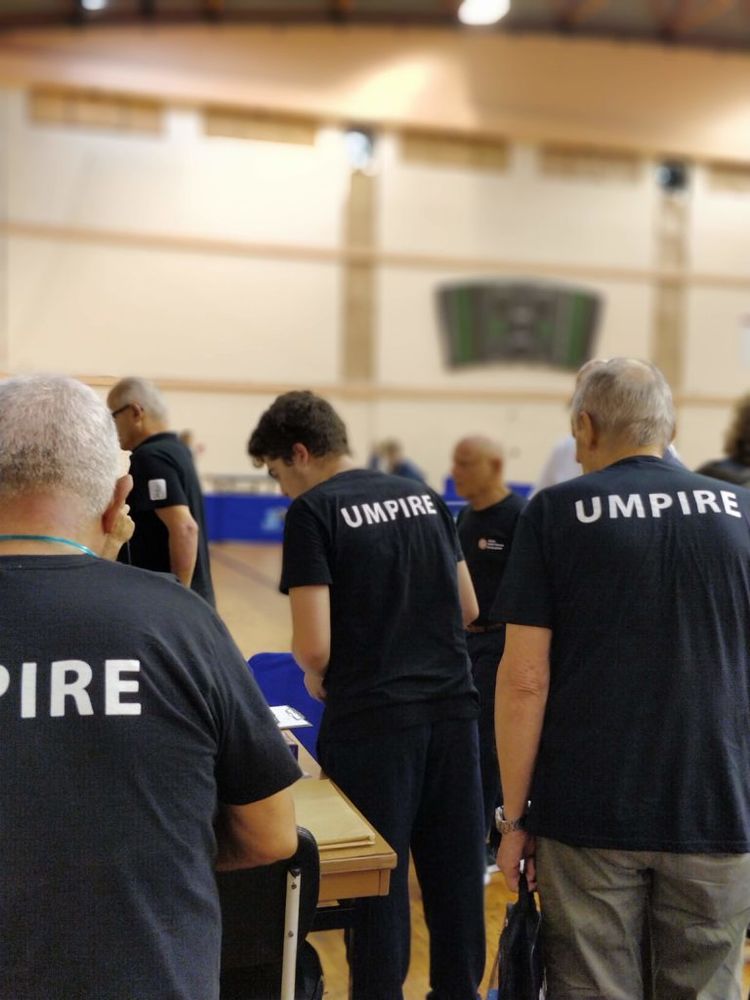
x=518, y=320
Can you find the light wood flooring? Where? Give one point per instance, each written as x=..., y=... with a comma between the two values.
x=246, y=581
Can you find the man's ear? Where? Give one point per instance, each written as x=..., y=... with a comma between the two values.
x=585, y=430
x=123, y=486
x=300, y=454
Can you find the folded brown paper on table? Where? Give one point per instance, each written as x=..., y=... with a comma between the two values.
x=328, y=816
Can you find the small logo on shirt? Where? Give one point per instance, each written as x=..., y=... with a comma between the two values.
x=157, y=489
x=490, y=544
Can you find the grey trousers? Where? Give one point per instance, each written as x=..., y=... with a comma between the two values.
x=604, y=911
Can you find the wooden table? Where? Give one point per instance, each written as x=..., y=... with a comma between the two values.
x=350, y=872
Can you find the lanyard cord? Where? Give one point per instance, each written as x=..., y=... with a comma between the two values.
x=48, y=538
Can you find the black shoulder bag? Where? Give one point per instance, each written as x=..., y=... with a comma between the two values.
x=520, y=975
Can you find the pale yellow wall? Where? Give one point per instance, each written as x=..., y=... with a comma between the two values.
x=518, y=214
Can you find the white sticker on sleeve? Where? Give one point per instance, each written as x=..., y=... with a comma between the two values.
x=157, y=489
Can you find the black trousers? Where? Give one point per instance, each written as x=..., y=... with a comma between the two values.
x=420, y=788
x=485, y=650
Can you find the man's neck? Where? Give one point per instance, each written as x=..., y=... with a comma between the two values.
x=488, y=498
x=47, y=518
x=149, y=429
x=328, y=466
x=611, y=455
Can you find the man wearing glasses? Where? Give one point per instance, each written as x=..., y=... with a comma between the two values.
x=166, y=502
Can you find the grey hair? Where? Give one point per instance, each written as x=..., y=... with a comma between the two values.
x=143, y=392
x=57, y=436
x=628, y=400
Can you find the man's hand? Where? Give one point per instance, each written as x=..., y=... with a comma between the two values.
x=514, y=848
x=122, y=531
x=315, y=685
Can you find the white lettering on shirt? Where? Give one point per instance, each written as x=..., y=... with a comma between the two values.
x=659, y=502
x=374, y=513
x=684, y=502
x=68, y=691
x=730, y=503
x=416, y=505
x=114, y=686
x=591, y=509
x=350, y=520
x=61, y=688
x=380, y=512
x=392, y=507
x=403, y=506
x=704, y=499
x=627, y=507
x=28, y=691
x=596, y=510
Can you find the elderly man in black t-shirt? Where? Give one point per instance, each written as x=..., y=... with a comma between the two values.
x=485, y=529
x=166, y=503
x=137, y=753
x=623, y=709
x=380, y=595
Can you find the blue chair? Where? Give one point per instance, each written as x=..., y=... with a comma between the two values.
x=282, y=683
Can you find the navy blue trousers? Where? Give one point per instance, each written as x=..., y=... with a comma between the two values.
x=485, y=650
x=420, y=789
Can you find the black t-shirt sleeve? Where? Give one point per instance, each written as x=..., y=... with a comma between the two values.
x=306, y=560
x=525, y=594
x=156, y=482
x=253, y=759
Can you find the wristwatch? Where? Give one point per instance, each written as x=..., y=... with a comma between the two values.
x=508, y=825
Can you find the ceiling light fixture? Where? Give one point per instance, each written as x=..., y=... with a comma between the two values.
x=93, y=5
x=477, y=12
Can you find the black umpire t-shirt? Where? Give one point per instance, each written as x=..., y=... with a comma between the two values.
x=642, y=572
x=387, y=548
x=127, y=714
x=164, y=476
x=486, y=536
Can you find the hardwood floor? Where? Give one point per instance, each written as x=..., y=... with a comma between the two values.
x=246, y=581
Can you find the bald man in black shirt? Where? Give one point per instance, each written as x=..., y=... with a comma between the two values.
x=485, y=528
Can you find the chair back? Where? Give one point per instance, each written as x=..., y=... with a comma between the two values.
x=253, y=907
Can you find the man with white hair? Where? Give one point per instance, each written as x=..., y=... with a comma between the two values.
x=166, y=502
x=623, y=707
x=137, y=753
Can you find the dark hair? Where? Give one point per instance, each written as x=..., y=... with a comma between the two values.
x=298, y=418
x=737, y=442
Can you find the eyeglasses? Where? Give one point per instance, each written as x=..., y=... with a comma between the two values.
x=116, y=413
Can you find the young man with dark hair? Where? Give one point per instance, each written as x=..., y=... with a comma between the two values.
x=380, y=595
